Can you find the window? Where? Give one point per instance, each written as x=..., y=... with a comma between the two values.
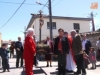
x=76, y=26
x=53, y=25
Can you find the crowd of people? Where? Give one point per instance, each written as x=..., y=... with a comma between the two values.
x=74, y=52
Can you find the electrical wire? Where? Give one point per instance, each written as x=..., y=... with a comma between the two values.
x=13, y=14
x=53, y=0
x=44, y=5
x=17, y=3
x=57, y=3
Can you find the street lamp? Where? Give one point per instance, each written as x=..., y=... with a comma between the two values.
x=50, y=17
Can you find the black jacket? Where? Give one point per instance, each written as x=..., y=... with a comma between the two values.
x=87, y=44
x=19, y=45
x=4, y=53
x=65, y=45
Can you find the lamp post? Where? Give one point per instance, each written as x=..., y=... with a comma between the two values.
x=41, y=21
x=50, y=17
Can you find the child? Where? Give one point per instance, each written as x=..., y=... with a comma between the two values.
x=5, y=58
x=86, y=59
x=92, y=57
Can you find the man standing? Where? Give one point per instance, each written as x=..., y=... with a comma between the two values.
x=19, y=52
x=86, y=44
x=77, y=48
x=61, y=48
x=29, y=51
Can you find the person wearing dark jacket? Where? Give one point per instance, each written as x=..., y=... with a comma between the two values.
x=78, y=52
x=5, y=58
x=19, y=52
x=61, y=48
x=86, y=44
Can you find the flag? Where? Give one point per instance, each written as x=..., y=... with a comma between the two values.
x=94, y=5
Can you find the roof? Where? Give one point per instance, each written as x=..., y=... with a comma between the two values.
x=57, y=17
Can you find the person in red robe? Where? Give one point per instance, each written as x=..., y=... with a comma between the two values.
x=29, y=51
x=70, y=60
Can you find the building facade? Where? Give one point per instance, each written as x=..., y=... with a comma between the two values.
x=67, y=23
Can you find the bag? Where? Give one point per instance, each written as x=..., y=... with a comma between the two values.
x=87, y=62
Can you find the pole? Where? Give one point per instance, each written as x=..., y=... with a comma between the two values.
x=24, y=32
x=93, y=26
x=40, y=28
x=41, y=23
x=50, y=18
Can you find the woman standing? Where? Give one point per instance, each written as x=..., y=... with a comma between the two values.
x=48, y=55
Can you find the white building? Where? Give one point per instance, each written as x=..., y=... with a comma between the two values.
x=67, y=23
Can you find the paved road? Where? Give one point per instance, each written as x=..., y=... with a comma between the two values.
x=42, y=70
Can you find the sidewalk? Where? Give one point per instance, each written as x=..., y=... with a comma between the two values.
x=42, y=70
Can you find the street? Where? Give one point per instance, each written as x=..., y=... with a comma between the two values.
x=42, y=70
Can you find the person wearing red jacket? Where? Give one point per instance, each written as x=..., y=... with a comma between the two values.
x=29, y=51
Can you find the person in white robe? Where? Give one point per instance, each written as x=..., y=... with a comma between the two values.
x=70, y=61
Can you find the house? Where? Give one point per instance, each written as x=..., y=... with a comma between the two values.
x=67, y=23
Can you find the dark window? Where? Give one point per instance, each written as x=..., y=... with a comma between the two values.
x=53, y=25
x=76, y=26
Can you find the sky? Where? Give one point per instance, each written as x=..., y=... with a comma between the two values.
x=68, y=8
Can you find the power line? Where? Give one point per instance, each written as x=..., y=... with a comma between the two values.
x=57, y=3
x=53, y=0
x=13, y=14
x=44, y=5
x=17, y=3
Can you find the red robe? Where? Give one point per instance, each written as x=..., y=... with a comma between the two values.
x=70, y=43
x=29, y=51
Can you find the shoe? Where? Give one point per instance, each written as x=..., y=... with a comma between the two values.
x=4, y=70
x=17, y=67
x=50, y=65
x=83, y=73
x=47, y=66
x=8, y=70
x=21, y=66
x=76, y=73
x=92, y=68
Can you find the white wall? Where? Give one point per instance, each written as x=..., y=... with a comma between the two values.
x=67, y=25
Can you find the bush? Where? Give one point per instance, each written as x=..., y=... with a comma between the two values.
x=42, y=48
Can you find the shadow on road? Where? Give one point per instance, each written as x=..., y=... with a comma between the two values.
x=56, y=72
x=38, y=71
x=97, y=65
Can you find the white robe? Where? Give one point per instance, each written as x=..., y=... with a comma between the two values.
x=70, y=63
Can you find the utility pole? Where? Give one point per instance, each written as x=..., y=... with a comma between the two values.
x=93, y=25
x=41, y=21
x=24, y=32
x=50, y=18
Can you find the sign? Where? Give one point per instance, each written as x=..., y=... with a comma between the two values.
x=94, y=5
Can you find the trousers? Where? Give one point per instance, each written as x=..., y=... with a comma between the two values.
x=80, y=63
x=19, y=56
x=5, y=64
x=61, y=64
